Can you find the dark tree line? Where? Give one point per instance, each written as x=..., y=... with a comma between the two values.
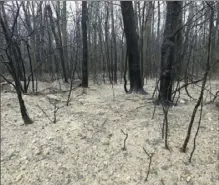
x=106, y=41
x=53, y=32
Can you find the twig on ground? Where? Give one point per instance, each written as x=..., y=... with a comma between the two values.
x=104, y=122
x=44, y=113
x=68, y=101
x=140, y=107
x=55, y=110
x=149, y=165
x=126, y=137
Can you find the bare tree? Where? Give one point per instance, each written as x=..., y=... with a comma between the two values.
x=168, y=56
x=132, y=47
x=13, y=52
x=115, y=59
x=58, y=39
x=85, y=49
x=207, y=70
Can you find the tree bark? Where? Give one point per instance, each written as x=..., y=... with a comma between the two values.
x=115, y=47
x=168, y=56
x=85, y=49
x=132, y=47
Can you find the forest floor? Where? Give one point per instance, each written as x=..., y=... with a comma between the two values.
x=84, y=147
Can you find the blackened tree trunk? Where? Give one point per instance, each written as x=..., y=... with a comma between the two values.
x=85, y=49
x=23, y=109
x=132, y=47
x=107, y=51
x=115, y=46
x=168, y=50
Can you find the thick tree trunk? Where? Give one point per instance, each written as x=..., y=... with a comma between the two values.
x=114, y=46
x=23, y=109
x=64, y=30
x=132, y=47
x=142, y=29
x=85, y=49
x=168, y=55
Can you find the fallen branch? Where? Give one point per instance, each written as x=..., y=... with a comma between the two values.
x=140, y=107
x=150, y=161
x=104, y=122
x=126, y=137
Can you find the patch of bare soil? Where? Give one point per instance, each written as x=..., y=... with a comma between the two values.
x=84, y=147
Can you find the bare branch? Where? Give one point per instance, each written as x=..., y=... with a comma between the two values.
x=196, y=134
x=44, y=113
x=149, y=165
x=126, y=137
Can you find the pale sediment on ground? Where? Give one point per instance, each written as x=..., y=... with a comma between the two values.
x=84, y=147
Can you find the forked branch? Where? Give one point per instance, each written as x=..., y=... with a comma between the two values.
x=149, y=165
